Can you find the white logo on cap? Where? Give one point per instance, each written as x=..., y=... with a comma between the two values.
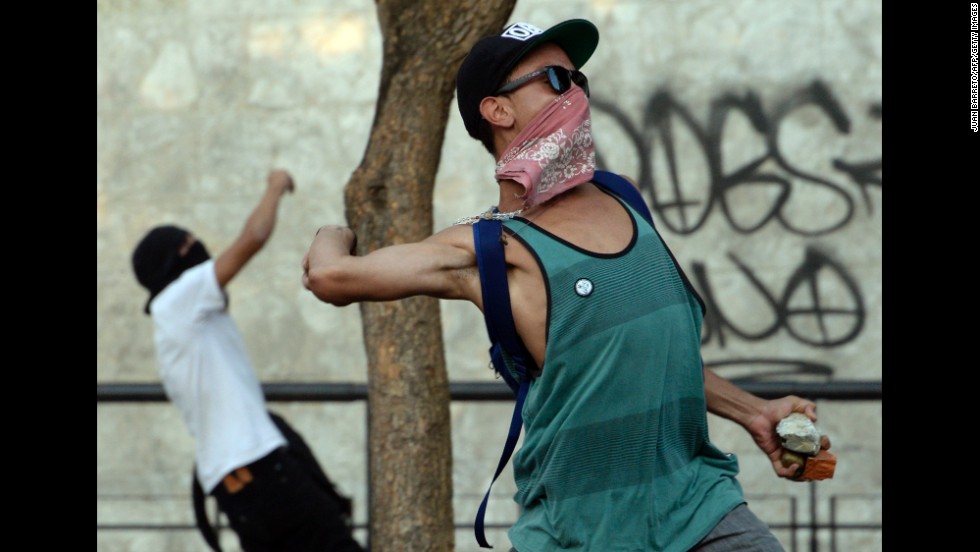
x=521, y=31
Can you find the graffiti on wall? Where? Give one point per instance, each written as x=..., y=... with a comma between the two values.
x=798, y=310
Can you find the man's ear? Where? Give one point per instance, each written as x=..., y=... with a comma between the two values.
x=497, y=111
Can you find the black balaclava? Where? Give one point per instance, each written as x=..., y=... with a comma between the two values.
x=157, y=260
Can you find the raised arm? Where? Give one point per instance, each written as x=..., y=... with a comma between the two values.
x=442, y=266
x=757, y=415
x=258, y=228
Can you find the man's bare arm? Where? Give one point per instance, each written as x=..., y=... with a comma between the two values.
x=758, y=416
x=442, y=266
x=257, y=230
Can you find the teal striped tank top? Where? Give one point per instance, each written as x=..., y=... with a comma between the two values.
x=616, y=454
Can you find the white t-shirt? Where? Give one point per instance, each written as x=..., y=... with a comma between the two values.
x=207, y=374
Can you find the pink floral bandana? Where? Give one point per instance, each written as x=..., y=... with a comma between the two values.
x=554, y=153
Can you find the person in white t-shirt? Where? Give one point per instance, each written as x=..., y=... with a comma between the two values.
x=272, y=501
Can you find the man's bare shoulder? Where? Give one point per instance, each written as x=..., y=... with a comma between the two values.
x=457, y=235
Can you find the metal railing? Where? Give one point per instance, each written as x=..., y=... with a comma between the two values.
x=486, y=391
x=498, y=391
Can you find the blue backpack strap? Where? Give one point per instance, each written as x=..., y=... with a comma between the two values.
x=497, y=313
x=499, y=319
x=630, y=194
x=624, y=189
x=516, y=422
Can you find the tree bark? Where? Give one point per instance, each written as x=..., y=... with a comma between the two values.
x=389, y=201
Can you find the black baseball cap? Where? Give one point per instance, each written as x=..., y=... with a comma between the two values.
x=494, y=57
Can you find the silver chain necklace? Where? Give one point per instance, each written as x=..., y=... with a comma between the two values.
x=489, y=214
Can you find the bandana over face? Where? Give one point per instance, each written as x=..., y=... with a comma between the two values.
x=157, y=261
x=554, y=153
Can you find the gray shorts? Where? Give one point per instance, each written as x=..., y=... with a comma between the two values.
x=740, y=529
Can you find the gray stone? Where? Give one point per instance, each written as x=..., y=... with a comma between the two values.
x=799, y=434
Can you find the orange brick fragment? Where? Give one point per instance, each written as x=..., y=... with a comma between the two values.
x=819, y=467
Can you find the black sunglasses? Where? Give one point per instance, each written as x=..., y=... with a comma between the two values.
x=559, y=78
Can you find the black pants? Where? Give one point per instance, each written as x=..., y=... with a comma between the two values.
x=284, y=510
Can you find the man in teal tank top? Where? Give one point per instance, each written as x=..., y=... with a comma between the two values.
x=621, y=396
x=616, y=453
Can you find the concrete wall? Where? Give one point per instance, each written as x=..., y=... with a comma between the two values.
x=753, y=125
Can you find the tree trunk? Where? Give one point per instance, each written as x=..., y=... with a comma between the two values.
x=389, y=201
